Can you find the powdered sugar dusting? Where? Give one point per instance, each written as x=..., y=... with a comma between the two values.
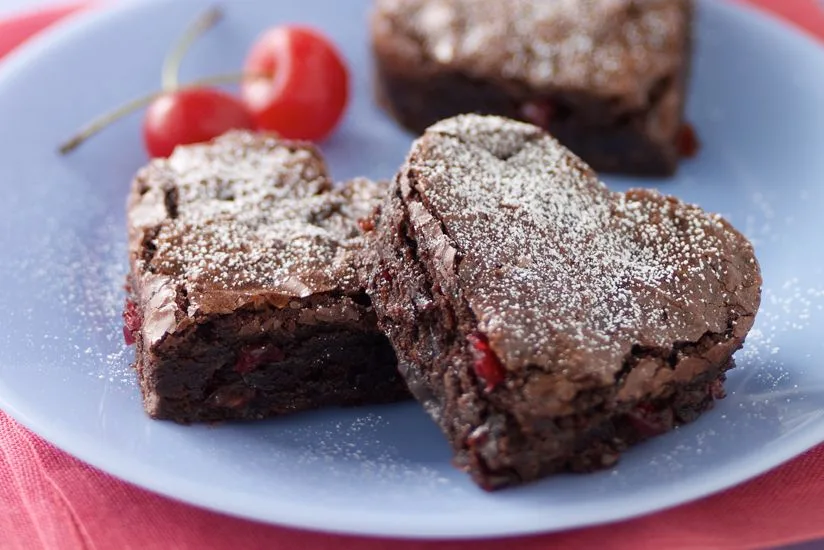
x=251, y=212
x=552, y=261
x=98, y=277
x=788, y=310
x=350, y=448
x=617, y=47
x=83, y=284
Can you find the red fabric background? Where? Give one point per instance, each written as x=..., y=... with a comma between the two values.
x=50, y=500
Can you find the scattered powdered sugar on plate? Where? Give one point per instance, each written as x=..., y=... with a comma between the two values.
x=770, y=391
x=787, y=311
x=759, y=223
x=354, y=446
x=789, y=307
x=84, y=280
x=792, y=308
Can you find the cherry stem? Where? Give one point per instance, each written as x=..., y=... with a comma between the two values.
x=171, y=65
x=105, y=120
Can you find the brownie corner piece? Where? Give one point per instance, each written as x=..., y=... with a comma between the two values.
x=245, y=297
x=545, y=322
x=608, y=78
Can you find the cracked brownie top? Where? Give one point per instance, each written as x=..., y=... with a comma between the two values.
x=612, y=48
x=247, y=218
x=562, y=274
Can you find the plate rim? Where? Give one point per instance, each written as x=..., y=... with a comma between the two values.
x=393, y=524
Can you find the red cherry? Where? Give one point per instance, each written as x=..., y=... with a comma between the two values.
x=303, y=88
x=366, y=224
x=716, y=389
x=191, y=115
x=688, y=144
x=487, y=365
x=647, y=421
x=131, y=322
x=386, y=276
x=539, y=113
x=252, y=357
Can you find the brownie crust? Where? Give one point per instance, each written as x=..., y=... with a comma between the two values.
x=245, y=295
x=545, y=322
x=607, y=78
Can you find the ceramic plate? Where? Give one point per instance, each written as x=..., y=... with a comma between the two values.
x=757, y=100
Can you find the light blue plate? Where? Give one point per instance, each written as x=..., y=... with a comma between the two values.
x=758, y=103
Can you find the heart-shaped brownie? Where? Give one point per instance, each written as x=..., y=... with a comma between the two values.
x=545, y=321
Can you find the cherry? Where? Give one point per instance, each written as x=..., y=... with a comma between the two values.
x=191, y=115
x=688, y=144
x=487, y=365
x=295, y=83
x=386, y=276
x=478, y=437
x=180, y=115
x=716, y=389
x=128, y=336
x=539, y=113
x=303, y=88
x=366, y=224
x=252, y=357
x=131, y=322
x=647, y=421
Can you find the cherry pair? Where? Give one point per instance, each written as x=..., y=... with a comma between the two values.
x=294, y=83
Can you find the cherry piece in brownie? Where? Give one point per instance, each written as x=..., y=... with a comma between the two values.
x=545, y=322
x=246, y=299
x=605, y=77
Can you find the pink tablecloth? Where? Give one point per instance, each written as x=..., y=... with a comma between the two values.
x=50, y=500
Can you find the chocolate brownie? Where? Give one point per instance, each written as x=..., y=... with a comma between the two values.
x=246, y=299
x=545, y=322
x=605, y=77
